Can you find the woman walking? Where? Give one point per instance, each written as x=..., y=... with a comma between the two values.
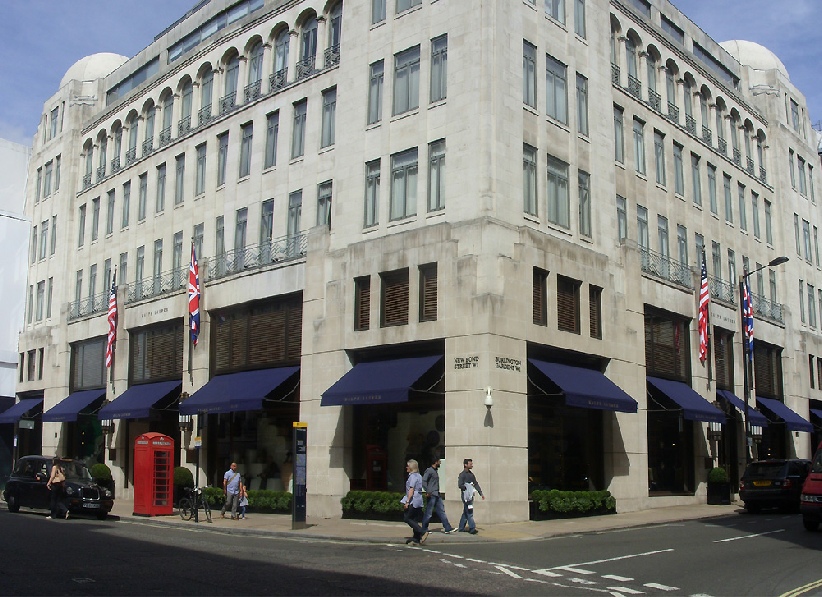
x=56, y=484
x=412, y=503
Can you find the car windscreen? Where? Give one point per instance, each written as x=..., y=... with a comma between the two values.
x=765, y=470
x=816, y=467
x=76, y=471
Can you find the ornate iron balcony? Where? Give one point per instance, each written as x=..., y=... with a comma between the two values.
x=767, y=309
x=115, y=164
x=228, y=102
x=253, y=91
x=737, y=157
x=165, y=283
x=165, y=136
x=722, y=145
x=615, y=74
x=148, y=146
x=706, y=134
x=665, y=268
x=634, y=87
x=673, y=113
x=101, y=172
x=763, y=175
x=257, y=256
x=750, y=164
x=722, y=291
x=277, y=80
x=654, y=100
x=87, y=180
x=332, y=56
x=690, y=124
x=305, y=67
x=204, y=115
x=88, y=306
x=131, y=156
x=184, y=126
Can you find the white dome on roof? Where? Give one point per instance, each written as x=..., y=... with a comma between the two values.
x=93, y=67
x=754, y=55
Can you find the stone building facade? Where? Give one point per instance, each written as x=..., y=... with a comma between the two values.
x=429, y=228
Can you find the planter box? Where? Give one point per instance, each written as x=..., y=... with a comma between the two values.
x=719, y=494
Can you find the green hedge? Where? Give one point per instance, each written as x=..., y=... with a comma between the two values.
x=259, y=500
x=362, y=504
x=555, y=504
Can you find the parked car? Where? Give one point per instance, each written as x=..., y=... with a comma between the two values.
x=810, y=503
x=26, y=487
x=773, y=483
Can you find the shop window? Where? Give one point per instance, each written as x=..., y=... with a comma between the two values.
x=568, y=304
x=595, y=311
x=540, y=294
x=156, y=353
x=87, y=364
x=394, y=298
x=428, y=292
x=667, y=352
x=362, y=303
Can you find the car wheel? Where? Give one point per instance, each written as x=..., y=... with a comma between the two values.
x=11, y=500
x=810, y=524
x=753, y=508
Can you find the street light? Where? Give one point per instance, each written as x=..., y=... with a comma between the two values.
x=746, y=358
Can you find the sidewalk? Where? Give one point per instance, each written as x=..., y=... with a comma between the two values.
x=393, y=532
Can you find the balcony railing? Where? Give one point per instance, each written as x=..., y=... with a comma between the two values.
x=305, y=67
x=257, y=256
x=228, y=102
x=615, y=74
x=763, y=175
x=673, y=113
x=88, y=306
x=332, y=56
x=277, y=80
x=634, y=87
x=654, y=100
x=165, y=283
x=115, y=164
x=184, y=126
x=690, y=124
x=101, y=173
x=722, y=145
x=204, y=115
x=131, y=156
x=253, y=91
x=148, y=146
x=737, y=157
x=87, y=180
x=721, y=290
x=767, y=309
x=165, y=136
x=750, y=167
x=706, y=134
x=665, y=268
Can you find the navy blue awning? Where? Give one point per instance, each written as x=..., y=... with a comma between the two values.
x=70, y=407
x=694, y=406
x=16, y=412
x=137, y=401
x=586, y=388
x=817, y=413
x=378, y=382
x=792, y=420
x=236, y=391
x=756, y=417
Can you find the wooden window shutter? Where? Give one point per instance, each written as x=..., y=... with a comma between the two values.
x=595, y=311
x=721, y=345
x=766, y=371
x=666, y=347
x=294, y=331
x=362, y=303
x=539, y=305
x=567, y=304
x=222, y=324
x=395, y=298
x=428, y=292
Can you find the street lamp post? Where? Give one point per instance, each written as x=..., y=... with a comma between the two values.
x=746, y=357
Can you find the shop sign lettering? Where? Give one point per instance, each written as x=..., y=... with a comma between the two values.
x=508, y=364
x=469, y=362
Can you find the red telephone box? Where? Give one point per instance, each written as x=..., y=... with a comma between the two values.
x=153, y=474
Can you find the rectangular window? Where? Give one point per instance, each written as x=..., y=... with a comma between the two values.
x=559, y=208
x=731, y=266
x=682, y=244
x=639, y=146
x=622, y=218
x=619, y=136
x=679, y=171
x=584, y=183
x=177, y=260
x=568, y=304
x=436, y=175
x=582, y=105
x=53, y=247
x=403, y=184
x=139, y=268
x=802, y=301
x=696, y=179
x=372, y=193
x=394, y=298
x=81, y=225
x=529, y=74
x=47, y=179
x=158, y=264
x=198, y=236
x=123, y=267
x=795, y=115
x=272, y=132
x=729, y=210
x=403, y=5
x=716, y=259
x=160, y=201
x=38, y=185
x=375, y=86
x=811, y=305
x=659, y=157
x=266, y=224
x=53, y=122
x=768, y=223
x=324, y=204
x=329, y=117
x=407, y=80
x=797, y=238
x=57, y=173
x=803, y=183
x=816, y=245
x=755, y=214
x=595, y=311
x=49, y=297
x=377, y=11
x=792, y=168
x=294, y=225
x=44, y=238
x=41, y=300
x=540, y=297
x=439, y=68
x=95, y=218
x=240, y=230
x=142, y=197
x=362, y=303
x=298, y=132
x=126, y=205
x=110, y=212
x=428, y=292
x=579, y=18
x=806, y=236
x=712, y=189
x=92, y=280
x=529, y=179
x=247, y=132
x=199, y=182
x=33, y=245
x=556, y=10
x=222, y=158
x=556, y=89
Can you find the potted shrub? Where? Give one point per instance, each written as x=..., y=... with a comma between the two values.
x=182, y=479
x=719, y=486
x=101, y=474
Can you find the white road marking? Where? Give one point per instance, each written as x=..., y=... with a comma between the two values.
x=617, y=578
x=654, y=585
x=626, y=590
x=582, y=581
x=539, y=580
x=475, y=560
x=547, y=572
x=505, y=570
x=749, y=536
x=573, y=570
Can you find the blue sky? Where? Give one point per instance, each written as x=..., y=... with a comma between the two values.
x=43, y=38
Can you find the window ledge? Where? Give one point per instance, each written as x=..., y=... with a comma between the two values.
x=560, y=125
x=436, y=103
x=406, y=114
x=373, y=125
x=325, y=150
x=530, y=109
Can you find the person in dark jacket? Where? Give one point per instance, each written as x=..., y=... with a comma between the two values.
x=468, y=486
x=431, y=485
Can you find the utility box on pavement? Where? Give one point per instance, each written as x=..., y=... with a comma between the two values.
x=153, y=474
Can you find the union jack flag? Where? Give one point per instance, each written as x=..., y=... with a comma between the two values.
x=194, y=297
x=112, y=322
x=747, y=318
x=704, y=301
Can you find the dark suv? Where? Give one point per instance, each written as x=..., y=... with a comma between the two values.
x=27, y=487
x=772, y=483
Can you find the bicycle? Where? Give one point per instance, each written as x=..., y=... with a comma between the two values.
x=195, y=499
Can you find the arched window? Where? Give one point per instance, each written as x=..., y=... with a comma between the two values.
x=168, y=114
x=255, y=63
x=630, y=57
x=206, y=95
x=187, y=94
x=308, y=48
x=232, y=73
x=102, y=142
x=650, y=63
x=133, y=131
x=148, y=140
x=280, y=76
x=332, y=54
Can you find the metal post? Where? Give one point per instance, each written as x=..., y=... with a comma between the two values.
x=745, y=360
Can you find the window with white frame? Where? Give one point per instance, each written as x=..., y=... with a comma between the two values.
x=806, y=236
x=222, y=157
x=556, y=89
x=436, y=175
x=372, y=193
x=768, y=223
x=179, y=178
x=240, y=232
x=682, y=244
x=199, y=182
x=584, y=191
x=529, y=74
x=324, y=204
x=622, y=218
x=559, y=208
x=639, y=146
x=712, y=189
x=109, y=212
x=696, y=179
x=729, y=209
x=743, y=211
x=529, y=179
x=95, y=218
x=266, y=222
x=582, y=104
x=579, y=18
x=439, y=68
x=556, y=10
x=619, y=135
x=377, y=11
x=329, y=117
x=160, y=198
x=406, y=80
x=375, y=86
x=247, y=131
x=659, y=157
x=298, y=132
x=272, y=131
x=403, y=5
x=403, y=184
x=755, y=214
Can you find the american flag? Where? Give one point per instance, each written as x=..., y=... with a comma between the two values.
x=747, y=318
x=112, y=322
x=194, y=296
x=704, y=301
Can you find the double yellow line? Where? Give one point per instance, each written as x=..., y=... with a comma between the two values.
x=803, y=589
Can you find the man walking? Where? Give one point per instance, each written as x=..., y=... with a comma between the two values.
x=431, y=485
x=468, y=486
x=231, y=489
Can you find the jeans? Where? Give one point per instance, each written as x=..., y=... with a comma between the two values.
x=435, y=503
x=467, y=516
x=412, y=517
x=231, y=501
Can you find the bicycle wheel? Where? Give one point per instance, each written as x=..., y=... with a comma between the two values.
x=206, y=509
x=186, y=509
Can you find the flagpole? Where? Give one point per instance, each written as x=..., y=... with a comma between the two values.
x=114, y=344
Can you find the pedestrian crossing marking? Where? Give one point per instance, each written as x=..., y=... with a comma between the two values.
x=654, y=585
x=617, y=578
x=628, y=590
x=505, y=570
